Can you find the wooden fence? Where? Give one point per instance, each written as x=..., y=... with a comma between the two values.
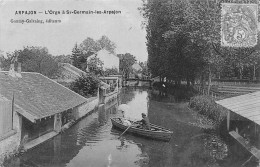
x=204, y=91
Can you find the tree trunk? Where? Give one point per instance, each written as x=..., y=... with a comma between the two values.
x=193, y=81
x=254, y=78
x=209, y=80
x=188, y=81
x=179, y=82
x=202, y=80
x=241, y=73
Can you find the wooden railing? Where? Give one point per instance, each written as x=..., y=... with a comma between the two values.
x=204, y=91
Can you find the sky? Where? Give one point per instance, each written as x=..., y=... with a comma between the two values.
x=123, y=29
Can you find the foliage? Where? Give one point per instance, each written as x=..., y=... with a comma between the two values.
x=33, y=59
x=63, y=59
x=104, y=42
x=89, y=47
x=205, y=105
x=78, y=58
x=125, y=64
x=183, y=41
x=89, y=44
x=144, y=70
x=86, y=86
x=95, y=65
x=111, y=71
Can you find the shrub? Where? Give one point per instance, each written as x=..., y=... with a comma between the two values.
x=86, y=85
x=205, y=105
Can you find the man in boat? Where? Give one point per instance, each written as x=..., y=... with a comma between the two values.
x=145, y=122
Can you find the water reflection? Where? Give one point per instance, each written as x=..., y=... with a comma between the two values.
x=93, y=142
x=203, y=150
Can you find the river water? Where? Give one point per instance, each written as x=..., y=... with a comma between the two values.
x=93, y=142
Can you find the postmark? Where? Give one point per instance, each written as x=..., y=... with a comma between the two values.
x=239, y=25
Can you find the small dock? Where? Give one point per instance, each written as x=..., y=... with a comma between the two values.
x=244, y=107
x=39, y=140
x=252, y=149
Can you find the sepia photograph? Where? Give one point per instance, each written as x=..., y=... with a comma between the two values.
x=129, y=83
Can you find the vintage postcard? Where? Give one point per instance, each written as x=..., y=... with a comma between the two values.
x=138, y=83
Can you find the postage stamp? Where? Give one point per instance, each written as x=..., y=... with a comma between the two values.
x=239, y=25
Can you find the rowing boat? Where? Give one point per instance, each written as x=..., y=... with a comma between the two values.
x=156, y=132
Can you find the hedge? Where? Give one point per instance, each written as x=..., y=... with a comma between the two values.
x=206, y=106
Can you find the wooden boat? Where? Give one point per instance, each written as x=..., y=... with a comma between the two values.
x=156, y=132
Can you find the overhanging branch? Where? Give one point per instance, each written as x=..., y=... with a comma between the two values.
x=216, y=50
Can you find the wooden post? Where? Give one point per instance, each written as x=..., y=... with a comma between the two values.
x=13, y=111
x=254, y=78
x=57, y=122
x=228, y=120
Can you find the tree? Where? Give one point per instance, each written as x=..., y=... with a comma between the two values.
x=209, y=13
x=90, y=45
x=183, y=40
x=144, y=70
x=95, y=66
x=86, y=85
x=33, y=59
x=105, y=43
x=77, y=57
x=5, y=61
x=63, y=59
x=125, y=63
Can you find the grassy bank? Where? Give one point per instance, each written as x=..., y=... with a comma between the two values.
x=206, y=106
x=203, y=106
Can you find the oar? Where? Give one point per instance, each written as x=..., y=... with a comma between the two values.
x=126, y=129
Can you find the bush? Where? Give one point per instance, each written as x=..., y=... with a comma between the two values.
x=205, y=105
x=86, y=86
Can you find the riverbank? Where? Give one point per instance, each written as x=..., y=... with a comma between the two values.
x=193, y=133
x=209, y=114
x=206, y=106
x=184, y=114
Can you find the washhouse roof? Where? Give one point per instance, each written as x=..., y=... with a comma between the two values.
x=247, y=105
x=36, y=96
x=73, y=69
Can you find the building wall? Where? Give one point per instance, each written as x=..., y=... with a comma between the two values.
x=10, y=144
x=109, y=60
x=85, y=108
x=110, y=97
